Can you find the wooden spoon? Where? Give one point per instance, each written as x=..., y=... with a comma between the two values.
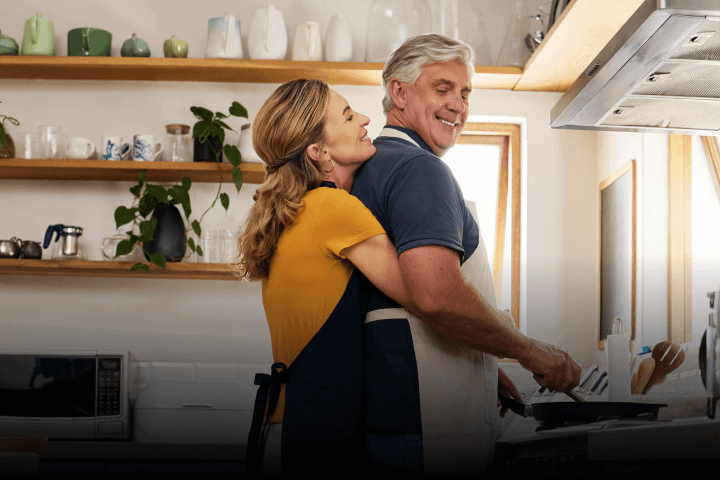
x=644, y=373
x=664, y=353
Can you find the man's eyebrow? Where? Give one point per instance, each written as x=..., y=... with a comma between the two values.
x=448, y=82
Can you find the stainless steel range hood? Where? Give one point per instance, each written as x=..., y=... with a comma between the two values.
x=659, y=73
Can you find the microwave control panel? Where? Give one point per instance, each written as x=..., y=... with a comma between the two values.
x=109, y=386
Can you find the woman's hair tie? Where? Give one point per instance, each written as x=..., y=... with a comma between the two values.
x=290, y=157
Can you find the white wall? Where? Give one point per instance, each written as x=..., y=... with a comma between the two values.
x=222, y=321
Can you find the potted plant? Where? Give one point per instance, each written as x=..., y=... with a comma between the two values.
x=164, y=236
x=6, y=151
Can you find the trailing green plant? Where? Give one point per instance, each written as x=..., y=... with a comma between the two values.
x=147, y=195
x=2, y=127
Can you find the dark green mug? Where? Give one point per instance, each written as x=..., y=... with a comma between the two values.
x=89, y=42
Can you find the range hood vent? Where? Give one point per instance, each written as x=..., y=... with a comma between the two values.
x=659, y=73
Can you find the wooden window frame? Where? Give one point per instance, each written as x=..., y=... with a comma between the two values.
x=507, y=136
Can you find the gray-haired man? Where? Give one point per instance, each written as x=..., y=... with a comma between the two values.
x=432, y=384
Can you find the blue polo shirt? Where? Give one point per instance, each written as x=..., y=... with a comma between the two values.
x=415, y=197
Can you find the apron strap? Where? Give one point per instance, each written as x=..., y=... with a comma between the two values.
x=269, y=388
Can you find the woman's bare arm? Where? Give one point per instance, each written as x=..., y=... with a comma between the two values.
x=377, y=259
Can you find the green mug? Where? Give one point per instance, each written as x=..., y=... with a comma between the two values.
x=89, y=42
x=38, y=36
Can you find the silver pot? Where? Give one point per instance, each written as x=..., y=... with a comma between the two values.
x=10, y=248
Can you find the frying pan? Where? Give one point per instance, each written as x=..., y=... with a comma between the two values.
x=557, y=413
x=702, y=357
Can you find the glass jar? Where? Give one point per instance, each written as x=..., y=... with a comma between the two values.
x=218, y=246
x=178, y=143
x=391, y=22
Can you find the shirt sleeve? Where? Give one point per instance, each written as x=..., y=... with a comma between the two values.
x=426, y=206
x=344, y=221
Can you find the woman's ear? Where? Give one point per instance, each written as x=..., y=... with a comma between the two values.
x=314, y=151
x=398, y=92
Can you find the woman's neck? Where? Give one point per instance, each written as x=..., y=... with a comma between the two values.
x=342, y=176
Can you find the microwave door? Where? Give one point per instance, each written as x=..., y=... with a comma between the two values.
x=48, y=387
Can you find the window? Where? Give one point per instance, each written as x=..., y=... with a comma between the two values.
x=486, y=163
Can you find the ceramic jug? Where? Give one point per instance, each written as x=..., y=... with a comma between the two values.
x=268, y=35
x=224, y=38
x=38, y=36
x=8, y=46
x=175, y=48
x=306, y=45
x=338, y=41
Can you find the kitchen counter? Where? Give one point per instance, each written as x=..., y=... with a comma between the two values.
x=71, y=449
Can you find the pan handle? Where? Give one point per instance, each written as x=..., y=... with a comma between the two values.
x=515, y=406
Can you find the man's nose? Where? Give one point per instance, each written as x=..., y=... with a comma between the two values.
x=457, y=104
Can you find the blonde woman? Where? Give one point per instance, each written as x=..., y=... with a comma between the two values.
x=302, y=239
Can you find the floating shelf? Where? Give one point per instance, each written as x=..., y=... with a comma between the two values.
x=219, y=70
x=82, y=268
x=204, y=172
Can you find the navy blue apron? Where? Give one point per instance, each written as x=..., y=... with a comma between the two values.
x=323, y=427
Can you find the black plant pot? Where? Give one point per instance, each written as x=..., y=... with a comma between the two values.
x=169, y=239
x=202, y=151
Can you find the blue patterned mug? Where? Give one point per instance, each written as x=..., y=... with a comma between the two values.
x=113, y=148
x=145, y=149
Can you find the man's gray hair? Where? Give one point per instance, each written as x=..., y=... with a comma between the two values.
x=407, y=61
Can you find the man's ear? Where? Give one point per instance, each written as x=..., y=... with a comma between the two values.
x=314, y=151
x=398, y=92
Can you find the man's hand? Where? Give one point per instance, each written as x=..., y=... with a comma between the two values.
x=552, y=366
x=506, y=388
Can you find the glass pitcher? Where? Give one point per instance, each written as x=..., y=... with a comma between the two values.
x=178, y=143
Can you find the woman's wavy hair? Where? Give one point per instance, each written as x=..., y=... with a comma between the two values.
x=293, y=118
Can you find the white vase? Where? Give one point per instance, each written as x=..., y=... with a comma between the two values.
x=338, y=40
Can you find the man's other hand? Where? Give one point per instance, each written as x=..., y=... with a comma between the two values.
x=507, y=388
x=552, y=366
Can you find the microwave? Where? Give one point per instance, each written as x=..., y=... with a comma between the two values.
x=64, y=394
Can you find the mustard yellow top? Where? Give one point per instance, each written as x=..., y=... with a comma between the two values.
x=308, y=275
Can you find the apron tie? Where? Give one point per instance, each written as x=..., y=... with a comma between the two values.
x=269, y=388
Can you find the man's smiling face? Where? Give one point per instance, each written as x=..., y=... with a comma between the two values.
x=437, y=104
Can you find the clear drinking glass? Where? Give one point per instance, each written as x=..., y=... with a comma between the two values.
x=218, y=246
x=29, y=145
x=51, y=146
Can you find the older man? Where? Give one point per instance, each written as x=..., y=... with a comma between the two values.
x=432, y=384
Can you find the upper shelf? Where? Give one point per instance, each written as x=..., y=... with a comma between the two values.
x=581, y=32
x=219, y=70
x=204, y=172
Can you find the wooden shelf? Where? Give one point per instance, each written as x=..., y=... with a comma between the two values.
x=204, y=172
x=581, y=32
x=218, y=70
x=82, y=268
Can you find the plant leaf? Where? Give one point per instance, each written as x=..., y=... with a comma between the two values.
x=238, y=110
x=237, y=178
x=147, y=229
x=223, y=125
x=196, y=228
x=135, y=190
x=219, y=115
x=202, y=113
x=140, y=266
x=158, y=259
x=2, y=135
x=199, y=251
x=233, y=155
x=141, y=178
x=225, y=200
x=158, y=192
x=124, y=247
x=124, y=215
x=191, y=243
x=186, y=183
x=147, y=205
x=180, y=195
x=201, y=130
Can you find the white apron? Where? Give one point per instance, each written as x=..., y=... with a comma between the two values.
x=458, y=384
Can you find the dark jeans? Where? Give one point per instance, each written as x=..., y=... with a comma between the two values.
x=395, y=453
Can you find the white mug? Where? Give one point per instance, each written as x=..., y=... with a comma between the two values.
x=78, y=148
x=338, y=41
x=145, y=149
x=307, y=45
x=113, y=148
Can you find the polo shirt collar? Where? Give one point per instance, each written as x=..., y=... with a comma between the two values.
x=328, y=184
x=417, y=138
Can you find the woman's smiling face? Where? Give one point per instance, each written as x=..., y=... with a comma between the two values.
x=347, y=141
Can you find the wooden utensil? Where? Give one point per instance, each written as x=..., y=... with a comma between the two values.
x=668, y=356
x=644, y=373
